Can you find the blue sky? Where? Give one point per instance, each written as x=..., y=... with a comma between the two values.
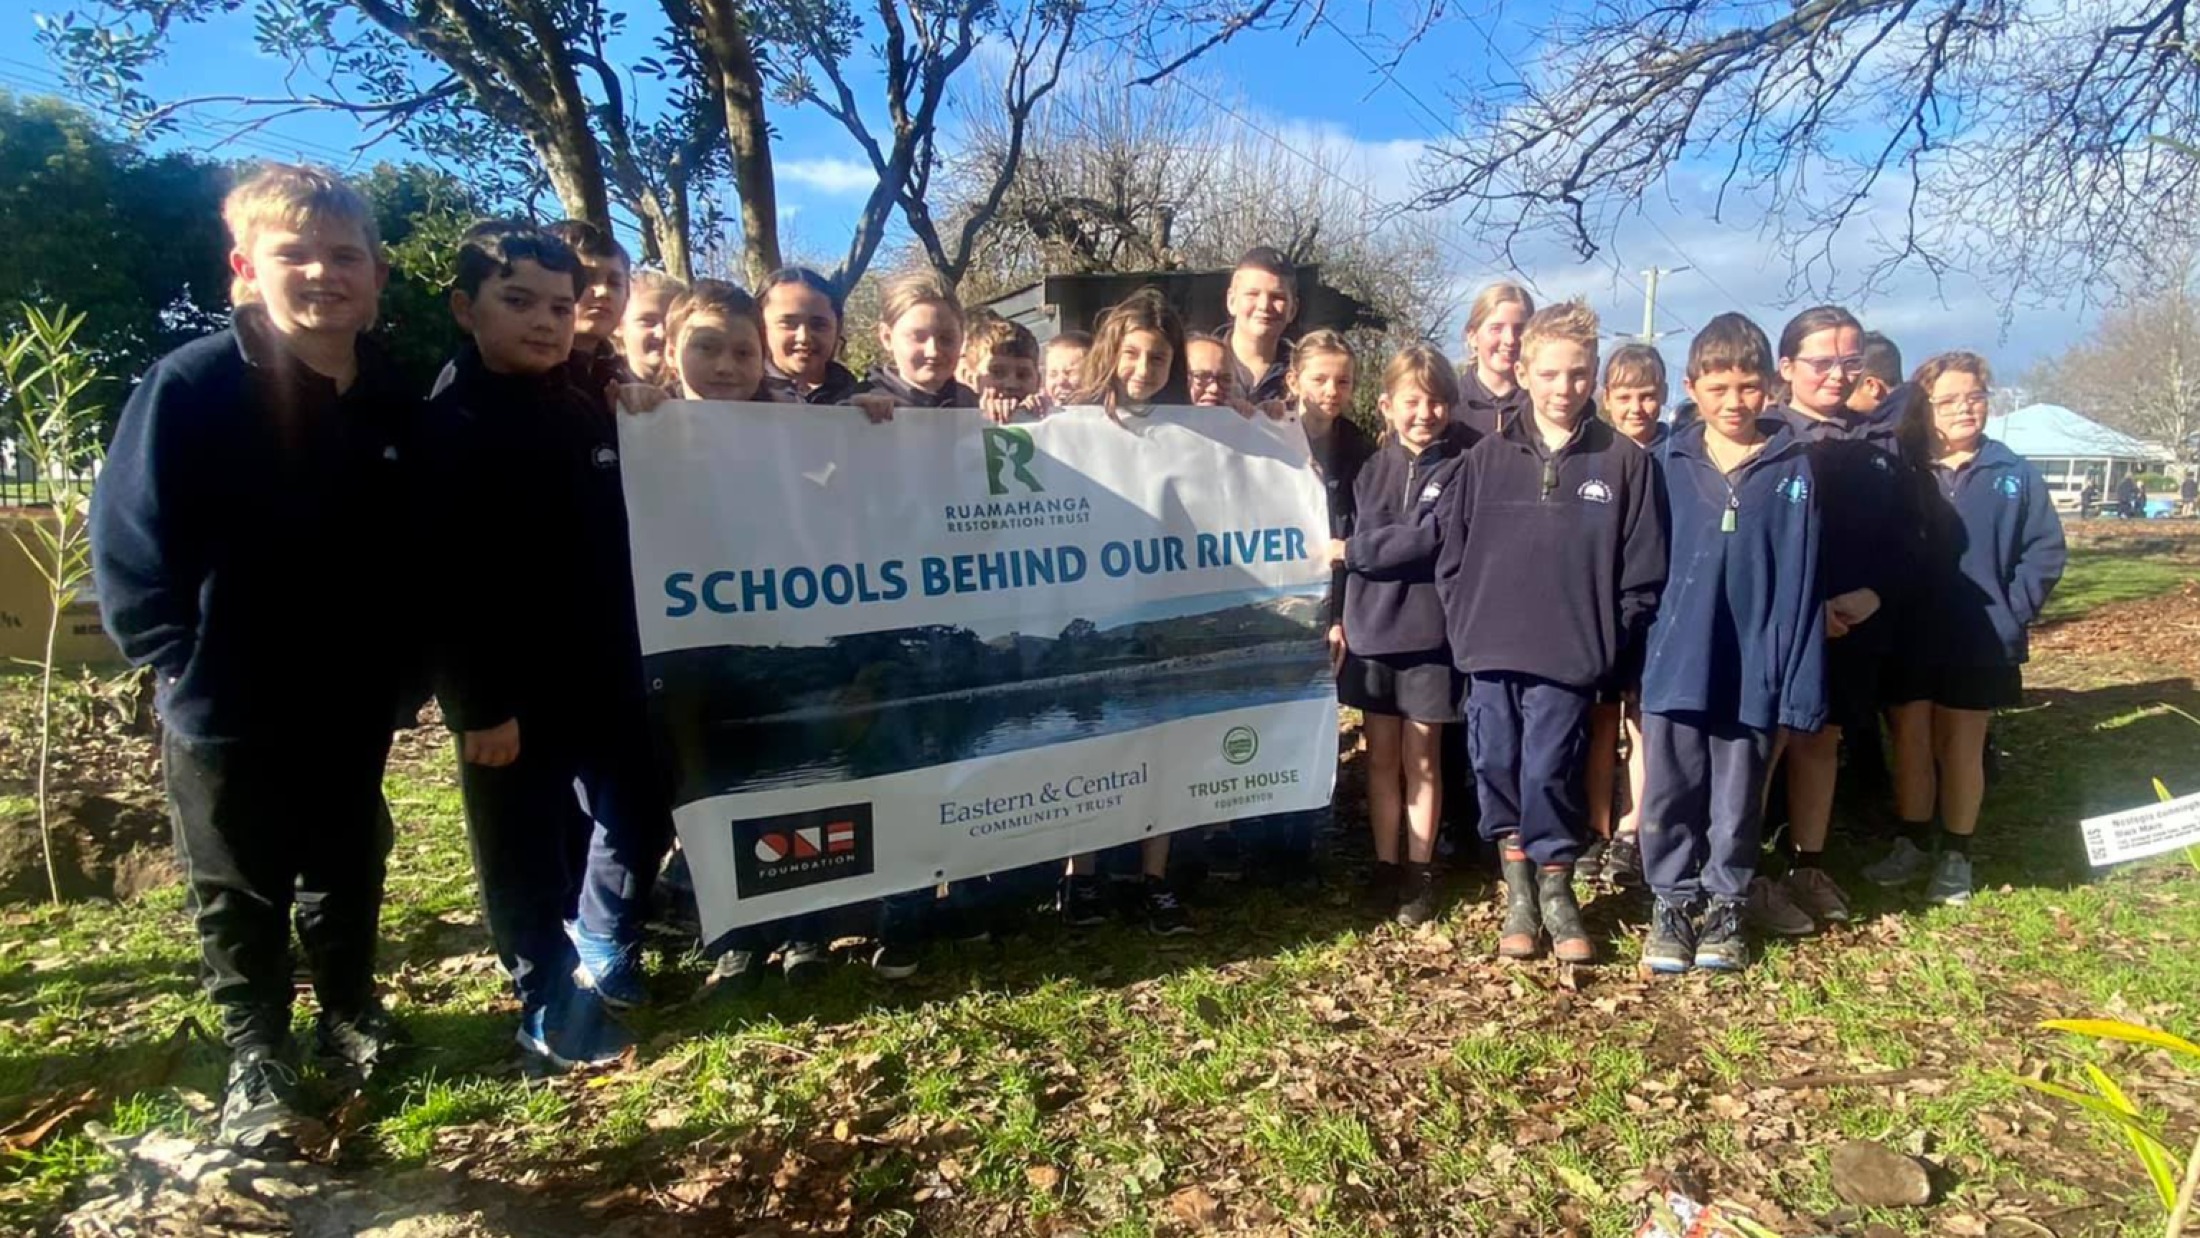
x=1315, y=87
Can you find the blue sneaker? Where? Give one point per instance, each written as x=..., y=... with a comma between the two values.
x=612, y=970
x=572, y=1028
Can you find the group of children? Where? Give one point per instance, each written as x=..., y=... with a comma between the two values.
x=1566, y=578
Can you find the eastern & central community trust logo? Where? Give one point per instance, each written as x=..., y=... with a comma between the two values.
x=797, y=849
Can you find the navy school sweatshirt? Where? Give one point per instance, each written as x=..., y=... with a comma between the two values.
x=1994, y=551
x=1273, y=383
x=1550, y=562
x=1338, y=457
x=1741, y=628
x=1483, y=412
x=535, y=579
x=1872, y=537
x=840, y=383
x=1390, y=602
x=887, y=379
x=247, y=540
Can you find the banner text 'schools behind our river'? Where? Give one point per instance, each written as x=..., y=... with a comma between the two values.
x=885, y=656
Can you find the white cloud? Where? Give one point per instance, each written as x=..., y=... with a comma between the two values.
x=844, y=176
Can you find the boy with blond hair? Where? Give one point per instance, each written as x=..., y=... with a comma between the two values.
x=1552, y=556
x=231, y=592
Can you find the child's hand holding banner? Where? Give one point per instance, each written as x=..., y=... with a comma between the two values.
x=885, y=656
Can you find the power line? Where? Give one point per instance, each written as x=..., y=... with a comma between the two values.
x=1389, y=75
x=40, y=79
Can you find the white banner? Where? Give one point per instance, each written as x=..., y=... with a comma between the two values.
x=887, y=656
x=2136, y=833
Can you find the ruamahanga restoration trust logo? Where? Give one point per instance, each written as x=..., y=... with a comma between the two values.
x=796, y=849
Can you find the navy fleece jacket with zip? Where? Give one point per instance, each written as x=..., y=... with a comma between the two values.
x=1390, y=602
x=1483, y=412
x=1994, y=553
x=1550, y=562
x=536, y=600
x=247, y=540
x=1740, y=634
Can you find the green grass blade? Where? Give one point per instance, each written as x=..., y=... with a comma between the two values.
x=2132, y=1033
x=2152, y=1155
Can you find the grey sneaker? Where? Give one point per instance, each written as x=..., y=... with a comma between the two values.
x=1820, y=897
x=1951, y=883
x=1771, y=911
x=1903, y=865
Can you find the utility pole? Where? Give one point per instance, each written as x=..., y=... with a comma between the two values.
x=1650, y=301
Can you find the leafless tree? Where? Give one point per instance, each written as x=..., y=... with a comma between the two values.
x=1121, y=177
x=2138, y=372
x=2023, y=140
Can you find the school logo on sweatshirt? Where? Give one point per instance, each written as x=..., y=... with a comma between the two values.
x=1595, y=490
x=1795, y=490
x=1431, y=490
x=2009, y=487
x=1009, y=452
x=797, y=849
x=606, y=457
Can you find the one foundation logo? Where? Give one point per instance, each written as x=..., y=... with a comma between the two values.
x=796, y=849
x=1009, y=452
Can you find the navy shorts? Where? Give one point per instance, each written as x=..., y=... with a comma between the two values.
x=1952, y=687
x=1420, y=687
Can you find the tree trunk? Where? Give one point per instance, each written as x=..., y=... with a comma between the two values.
x=575, y=169
x=741, y=86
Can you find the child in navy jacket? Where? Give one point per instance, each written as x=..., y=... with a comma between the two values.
x=539, y=662
x=1397, y=668
x=1737, y=649
x=1551, y=559
x=1994, y=550
x=1867, y=563
x=242, y=530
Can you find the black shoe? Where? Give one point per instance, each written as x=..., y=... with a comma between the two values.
x=735, y=971
x=358, y=1045
x=804, y=962
x=1554, y=900
x=1522, y=934
x=1385, y=881
x=896, y=961
x=1084, y=902
x=1165, y=916
x=1720, y=945
x=1589, y=866
x=1670, y=947
x=1623, y=862
x=1417, y=901
x=259, y=1107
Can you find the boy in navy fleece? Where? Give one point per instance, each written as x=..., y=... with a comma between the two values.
x=1551, y=562
x=1994, y=550
x=1397, y=669
x=1737, y=649
x=236, y=593
x=543, y=689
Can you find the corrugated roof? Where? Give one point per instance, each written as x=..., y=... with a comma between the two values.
x=2048, y=431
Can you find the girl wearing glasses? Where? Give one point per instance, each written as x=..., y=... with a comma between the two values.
x=1994, y=550
x=1866, y=556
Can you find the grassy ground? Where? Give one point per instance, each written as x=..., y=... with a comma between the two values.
x=1299, y=1067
